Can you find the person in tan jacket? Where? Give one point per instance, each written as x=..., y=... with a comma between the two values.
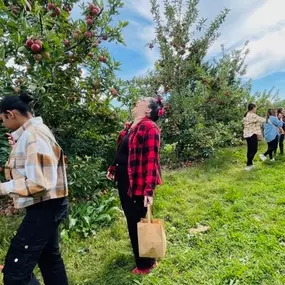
x=252, y=130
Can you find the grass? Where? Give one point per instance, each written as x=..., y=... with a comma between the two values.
x=245, y=244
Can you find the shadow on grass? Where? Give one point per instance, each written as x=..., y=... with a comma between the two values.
x=115, y=272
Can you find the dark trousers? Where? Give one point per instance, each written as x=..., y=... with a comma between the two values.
x=37, y=242
x=272, y=146
x=281, y=144
x=252, y=145
x=134, y=210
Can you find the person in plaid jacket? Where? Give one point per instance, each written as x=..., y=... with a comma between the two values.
x=137, y=170
x=37, y=182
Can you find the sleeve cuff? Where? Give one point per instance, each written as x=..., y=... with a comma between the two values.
x=148, y=192
x=2, y=189
x=6, y=188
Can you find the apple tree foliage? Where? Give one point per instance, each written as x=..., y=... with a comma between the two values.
x=206, y=97
x=66, y=66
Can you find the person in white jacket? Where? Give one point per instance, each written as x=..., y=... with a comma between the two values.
x=252, y=130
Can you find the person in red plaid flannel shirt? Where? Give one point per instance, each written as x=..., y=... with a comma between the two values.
x=137, y=170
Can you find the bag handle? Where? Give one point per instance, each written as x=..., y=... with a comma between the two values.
x=148, y=214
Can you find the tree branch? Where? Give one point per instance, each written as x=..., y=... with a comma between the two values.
x=41, y=23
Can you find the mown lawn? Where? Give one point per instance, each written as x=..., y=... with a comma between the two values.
x=245, y=244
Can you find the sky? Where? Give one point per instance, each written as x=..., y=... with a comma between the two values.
x=261, y=22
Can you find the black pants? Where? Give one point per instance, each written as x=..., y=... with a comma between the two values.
x=134, y=210
x=37, y=242
x=252, y=145
x=281, y=144
x=272, y=146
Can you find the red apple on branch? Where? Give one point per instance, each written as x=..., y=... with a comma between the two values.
x=95, y=11
x=36, y=48
x=39, y=42
x=103, y=59
x=29, y=43
x=57, y=11
x=114, y=91
x=89, y=22
x=51, y=6
x=91, y=6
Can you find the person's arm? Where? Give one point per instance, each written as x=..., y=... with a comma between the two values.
x=112, y=168
x=40, y=167
x=259, y=119
x=151, y=161
x=276, y=122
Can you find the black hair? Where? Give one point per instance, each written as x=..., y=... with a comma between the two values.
x=250, y=107
x=279, y=110
x=155, y=106
x=270, y=112
x=19, y=103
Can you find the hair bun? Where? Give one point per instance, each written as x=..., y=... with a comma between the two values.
x=25, y=97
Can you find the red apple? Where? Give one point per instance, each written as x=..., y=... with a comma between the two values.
x=114, y=91
x=103, y=59
x=51, y=6
x=53, y=14
x=36, y=48
x=89, y=22
x=38, y=42
x=95, y=11
x=66, y=43
x=89, y=17
x=38, y=57
x=67, y=9
x=57, y=11
x=75, y=35
x=88, y=35
x=29, y=43
x=91, y=6
x=90, y=54
x=95, y=45
x=105, y=38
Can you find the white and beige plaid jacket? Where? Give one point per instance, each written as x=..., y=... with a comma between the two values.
x=252, y=125
x=36, y=169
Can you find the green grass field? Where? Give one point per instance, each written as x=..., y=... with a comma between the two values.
x=245, y=243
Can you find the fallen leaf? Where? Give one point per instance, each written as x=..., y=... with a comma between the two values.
x=199, y=229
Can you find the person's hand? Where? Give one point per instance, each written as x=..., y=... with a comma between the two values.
x=110, y=176
x=1, y=267
x=148, y=201
x=11, y=140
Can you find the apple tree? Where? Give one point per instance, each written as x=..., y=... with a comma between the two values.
x=207, y=97
x=66, y=66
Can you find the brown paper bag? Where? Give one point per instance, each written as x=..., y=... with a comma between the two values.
x=151, y=237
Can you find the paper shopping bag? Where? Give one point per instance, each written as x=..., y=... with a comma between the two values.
x=151, y=237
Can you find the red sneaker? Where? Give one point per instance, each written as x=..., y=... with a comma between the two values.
x=138, y=271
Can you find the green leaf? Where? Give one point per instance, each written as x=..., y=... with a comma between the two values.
x=2, y=52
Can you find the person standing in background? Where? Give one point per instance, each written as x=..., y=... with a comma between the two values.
x=251, y=132
x=271, y=134
x=280, y=116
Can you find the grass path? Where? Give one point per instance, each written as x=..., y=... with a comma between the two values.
x=245, y=245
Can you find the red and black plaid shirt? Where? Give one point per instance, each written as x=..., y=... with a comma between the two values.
x=143, y=161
